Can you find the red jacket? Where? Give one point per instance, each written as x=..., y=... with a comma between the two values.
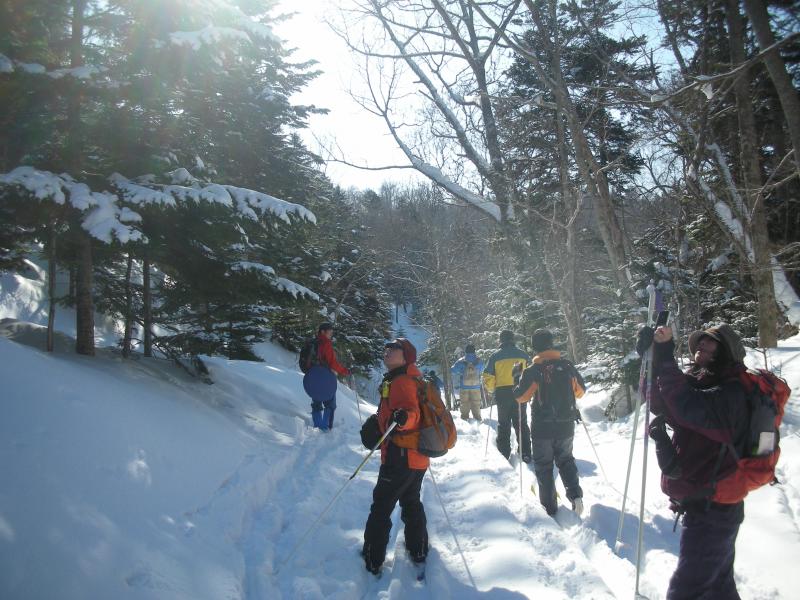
x=327, y=356
x=399, y=390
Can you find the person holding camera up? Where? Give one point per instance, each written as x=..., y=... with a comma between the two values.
x=707, y=409
x=402, y=469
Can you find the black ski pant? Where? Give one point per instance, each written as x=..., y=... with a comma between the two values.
x=396, y=483
x=705, y=560
x=507, y=414
x=547, y=452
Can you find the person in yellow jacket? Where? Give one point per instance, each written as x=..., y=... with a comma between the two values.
x=498, y=378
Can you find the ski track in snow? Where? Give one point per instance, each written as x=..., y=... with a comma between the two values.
x=540, y=553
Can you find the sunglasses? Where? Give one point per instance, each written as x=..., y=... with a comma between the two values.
x=393, y=346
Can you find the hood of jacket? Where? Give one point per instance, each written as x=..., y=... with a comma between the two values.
x=724, y=335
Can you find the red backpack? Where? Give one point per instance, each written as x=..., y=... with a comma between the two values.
x=767, y=395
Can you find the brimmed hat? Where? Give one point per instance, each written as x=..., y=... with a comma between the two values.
x=725, y=335
x=409, y=351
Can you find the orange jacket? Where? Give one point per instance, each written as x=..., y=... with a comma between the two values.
x=400, y=392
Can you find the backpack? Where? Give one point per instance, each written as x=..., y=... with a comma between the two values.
x=309, y=355
x=556, y=394
x=436, y=433
x=471, y=376
x=767, y=395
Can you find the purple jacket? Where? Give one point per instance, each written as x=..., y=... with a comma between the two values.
x=705, y=410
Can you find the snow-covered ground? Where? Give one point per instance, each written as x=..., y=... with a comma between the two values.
x=130, y=479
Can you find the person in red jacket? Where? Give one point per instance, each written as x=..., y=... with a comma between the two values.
x=402, y=469
x=323, y=396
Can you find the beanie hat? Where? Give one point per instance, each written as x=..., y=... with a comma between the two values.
x=409, y=351
x=470, y=349
x=506, y=337
x=729, y=341
x=541, y=340
x=325, y=326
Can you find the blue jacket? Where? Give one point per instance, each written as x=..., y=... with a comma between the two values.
x=459, y=369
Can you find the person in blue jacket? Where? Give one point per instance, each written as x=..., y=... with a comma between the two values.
x=467, y=372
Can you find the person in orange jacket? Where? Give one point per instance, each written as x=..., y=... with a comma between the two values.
x=402, y=469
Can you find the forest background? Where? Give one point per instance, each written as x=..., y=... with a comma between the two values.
x=571, y=153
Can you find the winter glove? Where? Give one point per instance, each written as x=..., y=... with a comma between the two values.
x=665, y=452
x=578, y=418
x=370, y=432
x=644, y=339
x=658, y=430
x=399, y=416
x=516, y=372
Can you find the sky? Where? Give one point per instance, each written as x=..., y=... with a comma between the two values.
x=362, y=137
x=129, y=479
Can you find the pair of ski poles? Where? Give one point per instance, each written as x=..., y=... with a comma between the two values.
x=645, y=383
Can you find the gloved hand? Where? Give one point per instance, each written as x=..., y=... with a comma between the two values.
x=644, y=339
x=516, y=372
x=578, y=417
x=658, y=430
x=399, y=416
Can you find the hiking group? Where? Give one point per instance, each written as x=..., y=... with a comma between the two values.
x=723, y=417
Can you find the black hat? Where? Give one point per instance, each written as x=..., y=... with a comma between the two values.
x=470, y=349
x=325, y=326
x=506, y=337
x=541, y=340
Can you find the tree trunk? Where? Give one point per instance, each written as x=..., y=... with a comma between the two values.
x=566, y=289
x=751, y=174
x=590, y=172
x=790, y=101
x=84, y=309
x=51, y=287
x=126, y=337
x=448, y=380
x=147, y=311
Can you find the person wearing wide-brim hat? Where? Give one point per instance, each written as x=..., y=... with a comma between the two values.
x=707, y=409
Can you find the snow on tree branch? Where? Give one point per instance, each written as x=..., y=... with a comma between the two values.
x=294, y=289
x=103, y=218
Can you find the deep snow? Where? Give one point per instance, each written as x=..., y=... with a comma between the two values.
x=130, y=479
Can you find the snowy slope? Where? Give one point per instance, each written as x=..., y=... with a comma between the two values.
x=129, y=479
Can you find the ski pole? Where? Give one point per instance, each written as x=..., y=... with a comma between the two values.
x=519, y=444
x=333, y=501
x=647, y=394
x=452, y=530
x=352, y=381
x=597, y=456
x=488, y=427
x=651, y=304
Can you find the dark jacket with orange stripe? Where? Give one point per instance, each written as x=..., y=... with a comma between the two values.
x=399, y=391
x=548, y=421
